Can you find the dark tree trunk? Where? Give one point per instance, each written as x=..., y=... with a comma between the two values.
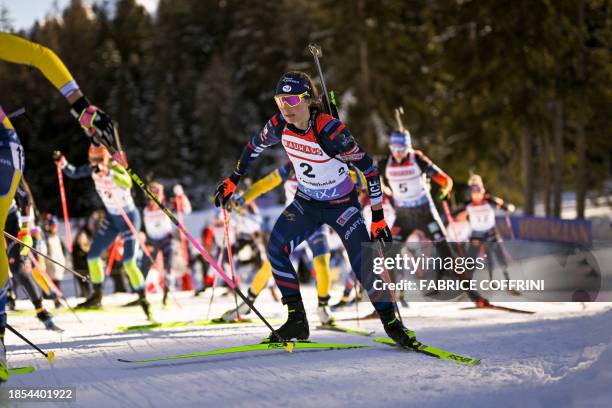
x=581, y=162
x=559, y=159
x=527, y=169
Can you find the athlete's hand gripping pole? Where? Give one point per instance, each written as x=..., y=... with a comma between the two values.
x=230, y=257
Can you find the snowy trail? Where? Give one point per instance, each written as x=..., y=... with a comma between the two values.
x=562, y=355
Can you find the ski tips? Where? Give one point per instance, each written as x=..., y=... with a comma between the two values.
x=50, y=356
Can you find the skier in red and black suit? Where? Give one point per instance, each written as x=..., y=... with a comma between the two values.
x=480, y=212
x=320, y=148
x=405, y=172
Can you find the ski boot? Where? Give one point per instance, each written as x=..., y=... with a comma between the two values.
x=511, y=291
x=46, y=318
x=144, y=303
x=131, y=303
x=243, y=309
x=396, y=331
x=165, y=296
x=94, y=301
x=11, y=300
x=296, y=326
x=4, y=373
x=402, y=300
x=482, y=303
x=56, y=301
x=478, y=300
x=200, y=291
x=323, y=311
x=340, y=304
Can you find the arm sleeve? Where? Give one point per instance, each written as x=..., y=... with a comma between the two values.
x=382, y=170
x=268, y=182
x=186, y=204
x=120, y=176
x=497, y=202
x=269, y=136
x=21, y=51
x=432, y=171
x=73, y=172
x=461, y=213
x=339, y=142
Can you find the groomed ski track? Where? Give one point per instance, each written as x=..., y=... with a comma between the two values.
x=561, y=356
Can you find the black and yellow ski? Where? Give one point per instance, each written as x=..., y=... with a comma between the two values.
x=433, y=352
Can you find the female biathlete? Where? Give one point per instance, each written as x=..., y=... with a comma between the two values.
x=93, y=120
x=405, y=171
x=320, y=148
x=480, y=212
x=159, y=231
x=19, y=223
x=113, y=185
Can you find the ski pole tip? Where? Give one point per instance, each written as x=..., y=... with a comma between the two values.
x=289, y=346
x=50, y=356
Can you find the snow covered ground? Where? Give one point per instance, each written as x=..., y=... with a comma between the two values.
x=560, y=356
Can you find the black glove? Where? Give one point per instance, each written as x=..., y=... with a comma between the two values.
x=379, y=229
x=96, y=123
x=226, y=188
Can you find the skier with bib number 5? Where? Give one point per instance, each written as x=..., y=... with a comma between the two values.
x=320, y=148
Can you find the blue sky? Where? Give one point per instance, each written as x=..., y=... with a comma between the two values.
x=25, y=12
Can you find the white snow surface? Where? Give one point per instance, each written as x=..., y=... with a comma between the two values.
x=561, y=356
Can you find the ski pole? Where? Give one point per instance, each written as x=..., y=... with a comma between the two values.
x=138, y=180
x=52, y=285
x=60, y=179
x=214, y=282
x=451, y=223
x=230, y=257
x=178, y=200
x=17, y=112
x=386, y=277
x=317, y=52
x=112, y=254
x=75, y=273
x=399, y=111
x=50, y=355
x=141, y=243
x=357, y=294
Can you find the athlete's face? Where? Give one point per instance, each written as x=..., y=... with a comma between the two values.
x=99, y=161
x=477, y=193
x=296, y=114
x=398, y=152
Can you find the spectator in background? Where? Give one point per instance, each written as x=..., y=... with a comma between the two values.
x=81, y=245
x=55, y=249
